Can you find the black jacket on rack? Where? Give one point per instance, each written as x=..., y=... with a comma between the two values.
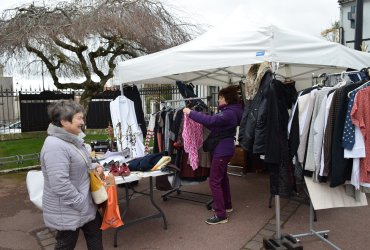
x=280, y=98
x=253, y=121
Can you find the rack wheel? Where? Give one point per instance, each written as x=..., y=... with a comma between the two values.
x=178, y=191
x=165, y=199
x=326, y=236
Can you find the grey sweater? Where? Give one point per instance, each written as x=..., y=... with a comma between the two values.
x=66, y=201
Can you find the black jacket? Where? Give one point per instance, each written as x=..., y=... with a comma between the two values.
x=252, y=126
x=265, y=120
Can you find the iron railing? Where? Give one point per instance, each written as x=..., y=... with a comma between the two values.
x=12, y=103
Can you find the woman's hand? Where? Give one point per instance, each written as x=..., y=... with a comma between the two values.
x=186, y=111
x=99, y=169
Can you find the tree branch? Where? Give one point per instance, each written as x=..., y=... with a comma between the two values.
x=79, y=52
x=85, y=38
x=52, y=69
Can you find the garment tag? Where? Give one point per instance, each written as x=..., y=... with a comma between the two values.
x=260, y=53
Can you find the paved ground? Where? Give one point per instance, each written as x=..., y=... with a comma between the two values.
x=21, y=225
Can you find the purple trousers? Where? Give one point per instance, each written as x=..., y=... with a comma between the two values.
x=219, y=184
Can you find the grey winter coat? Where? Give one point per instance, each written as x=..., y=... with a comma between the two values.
x=66, y=201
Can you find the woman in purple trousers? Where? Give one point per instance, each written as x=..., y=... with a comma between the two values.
x=221, y=146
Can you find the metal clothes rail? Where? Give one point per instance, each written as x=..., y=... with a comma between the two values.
x=166, y=102
x=186, y=195
x=324, y=77
x=323, y=234
x=186, y=99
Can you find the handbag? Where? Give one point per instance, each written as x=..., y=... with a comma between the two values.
x=212, y=141
x=97, y=189
x=170, y=181
x=98, y=192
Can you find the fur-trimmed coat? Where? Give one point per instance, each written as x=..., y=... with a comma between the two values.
x=254, y=78
x=251, y=131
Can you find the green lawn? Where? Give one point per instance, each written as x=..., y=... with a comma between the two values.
x=29, y=146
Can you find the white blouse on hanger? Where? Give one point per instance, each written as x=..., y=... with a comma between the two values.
x=125, y=127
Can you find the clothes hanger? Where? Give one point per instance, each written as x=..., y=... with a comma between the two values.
x=320, y=84
x=366, y=84
x=122, y=98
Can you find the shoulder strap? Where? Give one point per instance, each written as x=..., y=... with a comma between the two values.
x=83, y=156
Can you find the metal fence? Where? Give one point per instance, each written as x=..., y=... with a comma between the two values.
x=28, y=107
x=25, y=110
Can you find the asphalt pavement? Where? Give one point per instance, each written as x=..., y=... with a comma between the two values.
x=22, y=227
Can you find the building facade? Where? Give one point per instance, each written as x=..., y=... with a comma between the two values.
x=8, y=101
x=348, y=23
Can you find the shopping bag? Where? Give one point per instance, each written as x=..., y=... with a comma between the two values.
x=98, y=192
x=112, y=216
x=35, y=187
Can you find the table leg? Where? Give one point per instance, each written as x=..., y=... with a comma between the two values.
x=155, y=205
x=127, y=197
x=127, y=223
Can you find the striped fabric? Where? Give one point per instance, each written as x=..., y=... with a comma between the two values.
x=149, y=133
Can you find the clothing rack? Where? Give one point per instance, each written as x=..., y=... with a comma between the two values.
x=186, y=99
x=122, y=86
x=187, y=195
x=324, y=76
x=166, y=102
x=240, y=174
x=323, y=234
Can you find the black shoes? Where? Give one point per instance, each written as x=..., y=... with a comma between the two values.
x=214, y=220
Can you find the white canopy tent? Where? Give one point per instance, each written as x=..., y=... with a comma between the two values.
x=223, y=55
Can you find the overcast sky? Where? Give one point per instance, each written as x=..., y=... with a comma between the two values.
x=311, y=16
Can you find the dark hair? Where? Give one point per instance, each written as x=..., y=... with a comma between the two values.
x=63, y=110
x=230, y=94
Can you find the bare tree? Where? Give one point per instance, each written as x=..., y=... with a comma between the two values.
x=84, y=39
x=333, y=33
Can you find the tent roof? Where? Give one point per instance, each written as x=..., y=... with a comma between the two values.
x=225, y=53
